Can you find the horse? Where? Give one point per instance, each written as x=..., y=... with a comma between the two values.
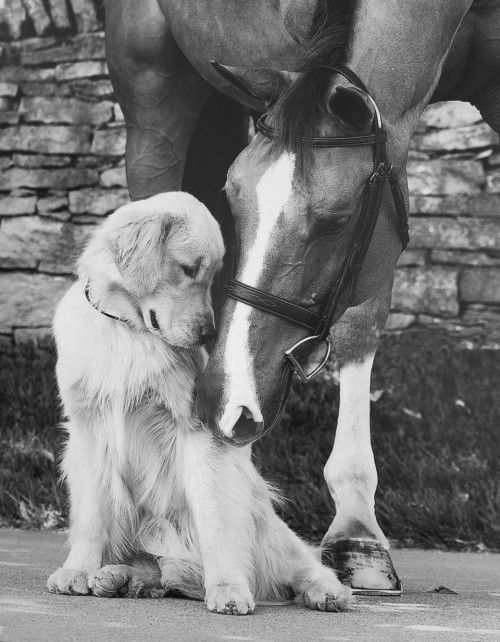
x=295, y=205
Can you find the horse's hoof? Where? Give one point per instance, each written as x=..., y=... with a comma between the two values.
x=365, y=565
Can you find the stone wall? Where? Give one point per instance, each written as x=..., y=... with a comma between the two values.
x=62, y=140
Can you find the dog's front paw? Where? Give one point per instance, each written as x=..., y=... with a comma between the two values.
x=230, y=599
x=120, y=580
x=327, y=594
x=68, y=581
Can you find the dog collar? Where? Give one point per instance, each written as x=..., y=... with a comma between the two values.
x=96, y=307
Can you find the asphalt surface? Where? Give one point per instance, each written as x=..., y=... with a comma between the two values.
x=29, y=613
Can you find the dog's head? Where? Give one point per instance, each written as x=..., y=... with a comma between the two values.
x=152, y=264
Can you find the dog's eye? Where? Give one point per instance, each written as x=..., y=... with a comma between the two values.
x=154, y=320
x=190, y=270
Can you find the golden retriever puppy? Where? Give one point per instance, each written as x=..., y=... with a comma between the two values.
x=158, y=506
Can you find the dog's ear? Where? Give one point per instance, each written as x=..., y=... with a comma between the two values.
x=113, y=300
x=138, y=247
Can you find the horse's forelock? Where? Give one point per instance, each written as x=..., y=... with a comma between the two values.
x=301, y=105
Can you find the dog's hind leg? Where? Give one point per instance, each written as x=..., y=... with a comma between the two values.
x=140, y=579
x=182, y=576
x=283, y=560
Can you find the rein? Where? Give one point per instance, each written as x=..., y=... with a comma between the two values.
x=319, y=324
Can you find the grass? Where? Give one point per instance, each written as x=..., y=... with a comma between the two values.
x=434, y=431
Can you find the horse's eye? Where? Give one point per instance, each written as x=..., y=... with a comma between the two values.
x=326, y=226
x=190, y=270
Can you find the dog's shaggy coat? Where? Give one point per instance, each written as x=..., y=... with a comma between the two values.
x=157, y=505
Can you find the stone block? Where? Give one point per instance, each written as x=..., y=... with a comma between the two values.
x=493, y=181
x=97, y=202
x=29, y=242
x=29, y=300
x=119, y=117
x=14, y=16
x=109, y=142
x=451, y=113
x=113, y=177
x=457, y=205
x=58, y=179
x=30, y=44
x=447, y=233
x=38, y=15
x=59, y=13
x=478, y=314
x=494, y=159
x=26, y=74
x=460, y=257
x=49, y=139
x=85, y=15
x=65, y=110
x=427, y=291
x=54, y=206
x=459, y=138
x=40, y=160
x=88, y=46
x=83, y=69
x=92, y=90
x=5, y=162
x=445, y=177
x=399, y=321
x=9, y=117
x=46, y=89
x=412, y=257
x=63, y=257
x=487, y=205
x=480, y=285
x=9, y=89
x=17, y=206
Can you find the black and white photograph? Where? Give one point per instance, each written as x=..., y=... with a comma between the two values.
x=249, y=320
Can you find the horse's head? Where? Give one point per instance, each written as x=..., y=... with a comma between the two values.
x=295, y=209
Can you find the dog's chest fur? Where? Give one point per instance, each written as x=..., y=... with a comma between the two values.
x=133, y=393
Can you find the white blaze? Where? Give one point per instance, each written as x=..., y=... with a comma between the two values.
x=274, y=189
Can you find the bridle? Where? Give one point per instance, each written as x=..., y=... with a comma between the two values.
x=319, y=324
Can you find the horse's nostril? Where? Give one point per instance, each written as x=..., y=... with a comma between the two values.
x=246, y=429
x=207, y=335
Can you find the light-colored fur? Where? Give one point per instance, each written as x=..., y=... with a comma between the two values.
x=157, y=505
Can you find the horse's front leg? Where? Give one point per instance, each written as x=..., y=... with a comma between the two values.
x=355, y=544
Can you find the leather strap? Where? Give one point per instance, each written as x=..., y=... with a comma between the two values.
x=401, y=213
x=275, y=305
x=374, y=138
x=106, y=314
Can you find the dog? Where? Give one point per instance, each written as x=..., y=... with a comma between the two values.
x=158, y=505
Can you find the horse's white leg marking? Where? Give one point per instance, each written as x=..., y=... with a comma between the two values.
x=350, y=470
x=273, y=191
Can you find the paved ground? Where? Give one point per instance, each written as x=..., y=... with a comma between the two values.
x=29, y=613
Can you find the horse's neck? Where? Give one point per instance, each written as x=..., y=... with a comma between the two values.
x=398, y=49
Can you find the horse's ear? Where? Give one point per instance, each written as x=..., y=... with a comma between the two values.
x=262, y=85
x=352, y=106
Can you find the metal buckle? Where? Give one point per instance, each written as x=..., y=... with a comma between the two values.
x=296, y=364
